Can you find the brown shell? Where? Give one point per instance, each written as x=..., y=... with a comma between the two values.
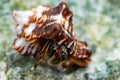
x=49, y=25
x=37, y=26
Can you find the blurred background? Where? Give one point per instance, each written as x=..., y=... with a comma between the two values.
x=95, y=21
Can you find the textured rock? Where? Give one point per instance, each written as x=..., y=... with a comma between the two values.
x=89, y=16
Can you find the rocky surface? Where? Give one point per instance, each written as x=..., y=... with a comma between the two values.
x=95, y=21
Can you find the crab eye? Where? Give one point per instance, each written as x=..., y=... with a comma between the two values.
x=50, y=53
x=52, y=49
x=64, y=55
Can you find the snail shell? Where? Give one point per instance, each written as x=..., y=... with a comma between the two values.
x=33, y=26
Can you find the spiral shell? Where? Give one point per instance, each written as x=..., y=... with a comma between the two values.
x=34, y=28
x=45, y=22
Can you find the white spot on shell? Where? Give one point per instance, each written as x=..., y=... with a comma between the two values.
x=39, y=10
x=58, y=18
x=20, y=42
x=19, y=29
x=66, y=24
x=21, y=17
x=25, y=48
x=30, y=28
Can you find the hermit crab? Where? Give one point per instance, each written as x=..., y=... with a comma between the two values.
x=47, y=33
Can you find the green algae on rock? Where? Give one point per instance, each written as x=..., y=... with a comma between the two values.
x=101, y=19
